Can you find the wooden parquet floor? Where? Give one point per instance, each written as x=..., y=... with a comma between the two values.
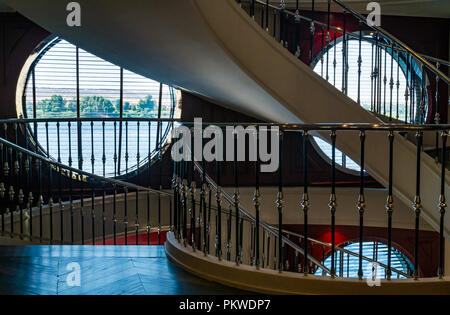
x=108, y=270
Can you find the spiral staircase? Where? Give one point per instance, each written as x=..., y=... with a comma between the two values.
x=252, y=73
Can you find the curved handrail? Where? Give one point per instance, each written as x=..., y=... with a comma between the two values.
x=340, y=249
x=84, y=173
x=405, y=48
x=394, y=39
x=263, y=224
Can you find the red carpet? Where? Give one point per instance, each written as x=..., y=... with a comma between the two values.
x=131, y=239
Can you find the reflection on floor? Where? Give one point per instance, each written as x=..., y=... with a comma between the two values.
x=103, y=270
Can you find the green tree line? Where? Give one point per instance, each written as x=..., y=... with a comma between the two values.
x=98, y=105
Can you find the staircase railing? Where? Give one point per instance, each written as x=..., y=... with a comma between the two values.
x=193, y=222
x=414, y=101
x=44, y=198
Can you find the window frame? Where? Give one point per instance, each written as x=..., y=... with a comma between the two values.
x=21, y=93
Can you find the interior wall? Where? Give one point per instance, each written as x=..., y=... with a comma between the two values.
x=18, y=39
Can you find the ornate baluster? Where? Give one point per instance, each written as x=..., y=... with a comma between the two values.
x=38, y=166
x=407, y=87
x=297, y=20
x=185, y=202
x=398, y=82
x=385, y=80
x=437, y=115
x=60, y=174
x=442, y=206
x=417, y=204
x=312, y=30
x=332, y=204
x=219, y=211
x=236, y=197
x=229, y=218
x=344, y=54
x=70, y=186
x=138, y=160
x=359, y=62
x=103, y=184
x=328, y=39
x=305, y=199
x=93, y=185
x=282, y=23
x=192, y=190
x=361, y=204
x=203, y=198
x=334, y=60
x=390, y=203
x=256, y=203
x=50, y=185
x=125, y=215
x=149, y=184
x=279, y=204
x=114, y=185
x=267, y=15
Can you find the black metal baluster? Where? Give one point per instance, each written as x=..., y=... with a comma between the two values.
x=267, y=15
x=236, y=198
x=159, y=148
x=93, y=185
x=297, y=20
x=119, y=158
x=376, y=76
x=205, y=222
x=252, y=9
x=322, y=51
x=193, y=226
x=127, y=156
x=209, y=218
x=359, y=62
x=442, y=206
x=61, y=204
x=256, y=203
x=412, y=93
x=115, y=186
x=407, y=87
x=328, y=40
x=125, y=215
x=175, y=201
x=398, y=82
x=282, y=23
x=103, y=184
x=219, y=211
x=344, y=54
x=417, y=204
x=149, y=183
x=361, y=204
x=185, y=201
x=385, y=80
x=50, y=184
x=423, y=96
x=334, y=60
x=391, y=82
x=20, y=181
x=332, y=204
x=274, y=23
x=71, y=186
x=372, y=77
x=390, y=203
x=229, y=219
x=279, y=204
x=312, y=32
x=305, y=200
x=80, y=163
x=41, y=199
x=138, y=161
